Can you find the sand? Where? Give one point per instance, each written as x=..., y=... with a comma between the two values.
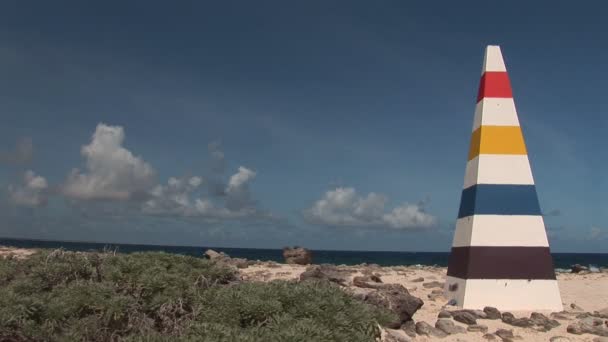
x=588, y=291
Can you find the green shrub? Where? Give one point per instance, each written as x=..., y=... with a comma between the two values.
x=67, y=296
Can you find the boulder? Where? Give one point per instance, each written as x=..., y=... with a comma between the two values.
x=478, y=328
x=448, y=327
x=324, y=272
x=543, y=321
x=464, y=317
x=213, y=255
x=297, y=255
x=423, y=328
x=577, y=268
x=397, y=299
x=492, y=313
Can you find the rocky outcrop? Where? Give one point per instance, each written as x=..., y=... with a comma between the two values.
x=224, y=258
x=324, y=272
x=297, y=255
x=577, y=268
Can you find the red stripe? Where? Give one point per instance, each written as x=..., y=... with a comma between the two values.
x=494, y=84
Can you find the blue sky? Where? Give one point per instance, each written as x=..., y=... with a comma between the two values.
x=270, y=123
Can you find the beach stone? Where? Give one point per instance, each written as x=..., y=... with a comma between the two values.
x=504, y=334
x=396, y=298
x=432, y=284
x=477, y=328
x=448, y=327
x=543, y=321
x=423, y=328
x=522, y=322
x=417, y=280
x=444, y=314
x=410, y=328
x=489, y=336
x=559, y=339
x=464, y=317
x=324, y=272
x=297, y=255
x=393, y=335
x=492, y=313
x=577, y=268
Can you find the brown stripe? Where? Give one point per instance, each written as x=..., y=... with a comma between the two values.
x=481, y=262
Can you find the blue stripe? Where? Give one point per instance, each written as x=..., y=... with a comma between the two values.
x=499, y=199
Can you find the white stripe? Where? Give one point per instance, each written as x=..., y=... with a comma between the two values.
x=493, y=59
x=500, y=230
x=498, y=169
x=505, y=294
x=495, y=111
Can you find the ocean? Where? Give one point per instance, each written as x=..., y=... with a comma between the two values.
x=561, y=261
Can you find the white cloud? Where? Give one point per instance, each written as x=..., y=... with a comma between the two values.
x=344, y=207
x=596, y=233
x=31, y=193
x=112, y=171
x=178, y=198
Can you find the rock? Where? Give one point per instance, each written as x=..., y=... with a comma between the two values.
x=359, y=293
x=592, y=321
x=423, y=328
x=397, y=299
x=559, y=339
x=448, y=327
x=464, y=317
x=477, y=328
x=602, y=313
x=581, y=327
x=576, y=307
x=478, y=314
x=489, y=336
x=297, y=255
x=492, y=313
x=369, y=282
x=444, y=314
x=213, y=255
x=410, y=328
x=504, y=334
x=523, y=322
x=417, y=280
x=393, y=335
x=577, y=268
x=559, y=315
x=324, y=272
x=543, y=321
x=432, y=284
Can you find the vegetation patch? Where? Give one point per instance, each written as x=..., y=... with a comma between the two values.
x=72, y=296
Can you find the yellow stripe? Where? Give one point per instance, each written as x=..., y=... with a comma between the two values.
x=497, y=140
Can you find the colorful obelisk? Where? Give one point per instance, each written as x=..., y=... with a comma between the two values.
x=500, y=253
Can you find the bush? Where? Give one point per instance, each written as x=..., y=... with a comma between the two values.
x=67, y=296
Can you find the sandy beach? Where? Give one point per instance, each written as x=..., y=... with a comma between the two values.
x=587, y=291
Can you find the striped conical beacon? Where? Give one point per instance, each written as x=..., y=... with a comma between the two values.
x=500, y=253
